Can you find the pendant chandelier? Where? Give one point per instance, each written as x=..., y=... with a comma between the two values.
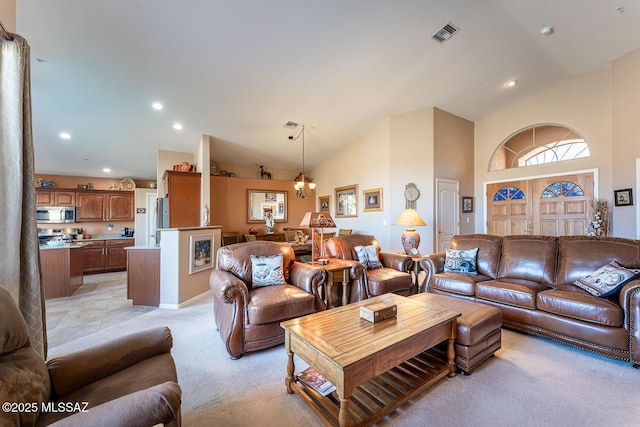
x=302, y=187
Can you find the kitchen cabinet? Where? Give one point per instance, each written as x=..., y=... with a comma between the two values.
x=106, y=255
x=90, y=206
x=143, y=276
x=55, y=198
x=62, y=270
x=183, y=191
x=105, y=206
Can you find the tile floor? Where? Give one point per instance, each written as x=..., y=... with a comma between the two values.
x=99, y=303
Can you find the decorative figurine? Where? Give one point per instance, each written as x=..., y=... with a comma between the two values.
x=205, y=216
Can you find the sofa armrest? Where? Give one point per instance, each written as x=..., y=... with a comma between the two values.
x=400, y=262
x=72, y=371
x=159, y=404
x=227, y=287
x=431, y=264
x=309, y=277
x=630, y=302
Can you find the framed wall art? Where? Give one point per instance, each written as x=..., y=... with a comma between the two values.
x=372, y=200
x=623, y=197
x=467, y=204
x=346, y=201
x=200, y=253
x=324, y=203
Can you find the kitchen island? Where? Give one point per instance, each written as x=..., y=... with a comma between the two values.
x=62, y=268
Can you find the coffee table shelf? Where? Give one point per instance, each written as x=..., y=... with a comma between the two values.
x=378, y=397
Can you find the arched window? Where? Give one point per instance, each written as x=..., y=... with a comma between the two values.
x=508, y=193
x=562, y=188
x=539, y=144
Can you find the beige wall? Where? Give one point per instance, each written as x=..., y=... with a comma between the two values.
x=582, y=103
x=453, y=154
x=229, y=203
x=365, y=162
x=626, y=139
x=8, y=14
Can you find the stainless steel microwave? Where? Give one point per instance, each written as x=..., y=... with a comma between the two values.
x=55, y=214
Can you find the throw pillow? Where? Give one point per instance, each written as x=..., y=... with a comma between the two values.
x=461, y=261
x=267, y=270
x=607, y=280
x=368, y=255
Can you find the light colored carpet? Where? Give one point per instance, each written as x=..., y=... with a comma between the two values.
x=530, y=382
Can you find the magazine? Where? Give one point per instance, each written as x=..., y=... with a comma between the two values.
x=315, y=380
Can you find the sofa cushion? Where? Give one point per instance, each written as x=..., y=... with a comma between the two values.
x=461, y=261
x=582, y=255
x=607, y=280
x=267, y=270
x=531, y=258
x=570, y=301
x=368, y=255
x=489, y=249
x=516, y=292
x=462, y=284
x=385, y=280
x=279, y=302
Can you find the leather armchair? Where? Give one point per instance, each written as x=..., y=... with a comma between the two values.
x=247, y=316
x=130, y=381
x=394, y=277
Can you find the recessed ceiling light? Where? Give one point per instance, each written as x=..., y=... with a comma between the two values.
x=177, y=126
x=157, y=106
x=512, y=83
x=546, y=31
x=65, y=135
x=106, y=170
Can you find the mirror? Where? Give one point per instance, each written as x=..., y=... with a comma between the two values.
x=259, y=202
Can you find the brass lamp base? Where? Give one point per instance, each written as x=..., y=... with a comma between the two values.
x=410, y=240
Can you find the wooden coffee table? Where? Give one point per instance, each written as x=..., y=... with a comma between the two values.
x=375, y=367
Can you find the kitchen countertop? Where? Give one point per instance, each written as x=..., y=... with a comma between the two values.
x=107, y=237
x=65, y=246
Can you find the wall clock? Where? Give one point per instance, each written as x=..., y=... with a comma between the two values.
x=411, y=194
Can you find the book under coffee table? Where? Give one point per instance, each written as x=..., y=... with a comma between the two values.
x=375, y=367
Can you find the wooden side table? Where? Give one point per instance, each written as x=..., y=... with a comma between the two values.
x=337, y=271
x=415, y=271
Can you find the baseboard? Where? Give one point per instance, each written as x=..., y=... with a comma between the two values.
x=185, y=303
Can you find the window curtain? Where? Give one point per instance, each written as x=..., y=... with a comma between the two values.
x=19, y=256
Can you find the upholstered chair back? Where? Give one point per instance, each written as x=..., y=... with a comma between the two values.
x=343, y=246
x=23, y=373
x=532, y=258
x=236, y=258
x=489, y=249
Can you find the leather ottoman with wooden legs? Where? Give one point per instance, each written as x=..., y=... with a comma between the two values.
x=479, y=329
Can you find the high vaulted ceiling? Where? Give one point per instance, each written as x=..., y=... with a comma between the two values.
x=238, y=70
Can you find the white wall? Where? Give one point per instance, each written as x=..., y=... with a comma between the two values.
x=365, y=162
x=626, y=140
x=582, y=103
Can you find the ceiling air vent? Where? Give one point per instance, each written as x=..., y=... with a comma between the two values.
x=445, y=33
x=291, y=125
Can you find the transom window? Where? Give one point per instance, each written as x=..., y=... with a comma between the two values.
x=539, y=144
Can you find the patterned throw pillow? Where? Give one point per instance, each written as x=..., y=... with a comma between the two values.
x=368, y=255
x=461, y=261
x=267, y=270
x=607, y=280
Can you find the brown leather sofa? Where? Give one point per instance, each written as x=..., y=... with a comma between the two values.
x=247, y=316
x=130, y=381
x=394, y=277
x=531, y=279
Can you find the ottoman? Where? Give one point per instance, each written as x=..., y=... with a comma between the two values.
x=479, y=329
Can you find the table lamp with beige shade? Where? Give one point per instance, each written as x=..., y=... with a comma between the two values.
x=410, y=237
x=319, y=220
